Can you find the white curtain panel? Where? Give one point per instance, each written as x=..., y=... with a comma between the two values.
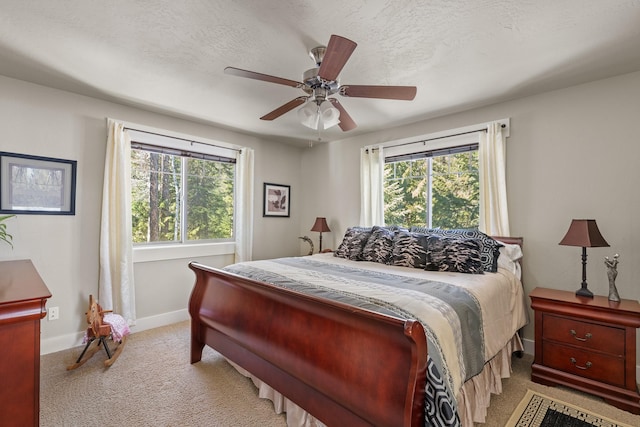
x=244, y=205
x=371, y=187
x=494, y=216
x=116, y=288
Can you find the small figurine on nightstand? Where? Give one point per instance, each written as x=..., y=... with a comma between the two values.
x=612, y=272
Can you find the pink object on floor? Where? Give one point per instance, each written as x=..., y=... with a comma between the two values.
x=119, y=327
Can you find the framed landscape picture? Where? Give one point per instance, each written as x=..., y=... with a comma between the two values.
x=277, y=199
x=37, y=185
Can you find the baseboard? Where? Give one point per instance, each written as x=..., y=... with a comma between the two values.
x=63, y=342
x=529, y=346
x=160, y=320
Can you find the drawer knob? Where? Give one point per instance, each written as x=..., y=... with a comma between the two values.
x=586, y=337
x=573, y=362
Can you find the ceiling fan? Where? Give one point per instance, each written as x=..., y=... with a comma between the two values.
x=321, y=82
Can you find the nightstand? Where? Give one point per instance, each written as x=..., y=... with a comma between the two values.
x=588, y=344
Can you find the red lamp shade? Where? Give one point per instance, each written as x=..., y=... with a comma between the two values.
x=321, y=225
x=584, y=233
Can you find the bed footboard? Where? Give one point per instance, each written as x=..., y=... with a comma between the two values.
x=344, y=365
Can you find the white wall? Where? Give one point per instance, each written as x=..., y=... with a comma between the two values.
x=46, y=122
x=572, y=153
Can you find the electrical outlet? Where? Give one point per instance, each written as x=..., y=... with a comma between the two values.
x=54, y=313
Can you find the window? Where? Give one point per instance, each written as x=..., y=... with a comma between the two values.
x=438, y=188
x=180, y=196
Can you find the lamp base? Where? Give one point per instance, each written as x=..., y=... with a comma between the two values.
x=584, y=292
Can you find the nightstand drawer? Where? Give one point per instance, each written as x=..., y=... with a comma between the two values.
x=596, y=366
x=590, y=336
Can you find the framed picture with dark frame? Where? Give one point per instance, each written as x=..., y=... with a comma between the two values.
x=37, y=185
x=277, y=200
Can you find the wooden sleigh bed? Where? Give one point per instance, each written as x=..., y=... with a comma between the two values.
x=344, y=364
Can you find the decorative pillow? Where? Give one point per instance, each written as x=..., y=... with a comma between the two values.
x=424, y=230
x=452, y=254
x=379, y=247
x=409, y=249
x=489, y=248
x=510, y=255
x=353, y=243
x=395, y=228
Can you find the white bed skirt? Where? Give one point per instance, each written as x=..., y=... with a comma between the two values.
x=473, y=399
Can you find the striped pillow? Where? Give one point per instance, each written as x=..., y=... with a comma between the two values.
x=410, y=249
x=456, y=255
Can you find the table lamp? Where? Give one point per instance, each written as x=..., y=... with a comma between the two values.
x=584, y=233
x=321, y=226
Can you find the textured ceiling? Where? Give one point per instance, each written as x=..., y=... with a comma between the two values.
x=169, y=56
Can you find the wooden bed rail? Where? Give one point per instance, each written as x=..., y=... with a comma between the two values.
x=342, y=364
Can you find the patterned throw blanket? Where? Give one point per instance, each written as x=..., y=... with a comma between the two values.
x=449, y=313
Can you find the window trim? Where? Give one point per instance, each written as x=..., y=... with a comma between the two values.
x=163, y=138
x=437, y=140
x=167, y=142
x=137, y=145
x=161, y=252
x=433, y=153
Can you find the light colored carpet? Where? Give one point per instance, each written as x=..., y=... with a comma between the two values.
x=153, y=384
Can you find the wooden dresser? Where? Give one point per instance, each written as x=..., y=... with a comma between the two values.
x=23, y=296
x=588, y=344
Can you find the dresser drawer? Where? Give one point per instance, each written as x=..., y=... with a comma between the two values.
x=592, y=336
x=596, y=366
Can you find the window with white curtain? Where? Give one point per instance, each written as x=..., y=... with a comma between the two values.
x=433, y=188
x=180, y=193
x=434, y=181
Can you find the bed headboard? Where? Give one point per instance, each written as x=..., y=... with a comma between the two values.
x=510, y=240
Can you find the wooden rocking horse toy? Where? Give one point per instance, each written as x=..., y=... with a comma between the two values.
x=100, y=329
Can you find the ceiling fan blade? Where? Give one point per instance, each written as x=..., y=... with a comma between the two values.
x=285, y=108
x=406, y=93
x=346, y=122
x=262, y=77
x=337, y=54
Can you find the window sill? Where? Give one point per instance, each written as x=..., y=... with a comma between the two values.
x=166, y=252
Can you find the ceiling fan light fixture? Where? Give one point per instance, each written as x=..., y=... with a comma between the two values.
x=319, y=117
x=308, y=115
x=329, y=115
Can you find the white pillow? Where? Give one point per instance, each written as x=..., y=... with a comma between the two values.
x=508, y=259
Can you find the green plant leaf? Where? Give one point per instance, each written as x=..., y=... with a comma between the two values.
x=4, y=236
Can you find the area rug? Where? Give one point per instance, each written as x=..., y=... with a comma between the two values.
x=538, y=410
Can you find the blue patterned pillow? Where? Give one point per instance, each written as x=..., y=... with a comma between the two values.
x=452, y=254
x=410, y=249
x=395, y=228
x=379, y=247
x=424, y=230
x=353, y=243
